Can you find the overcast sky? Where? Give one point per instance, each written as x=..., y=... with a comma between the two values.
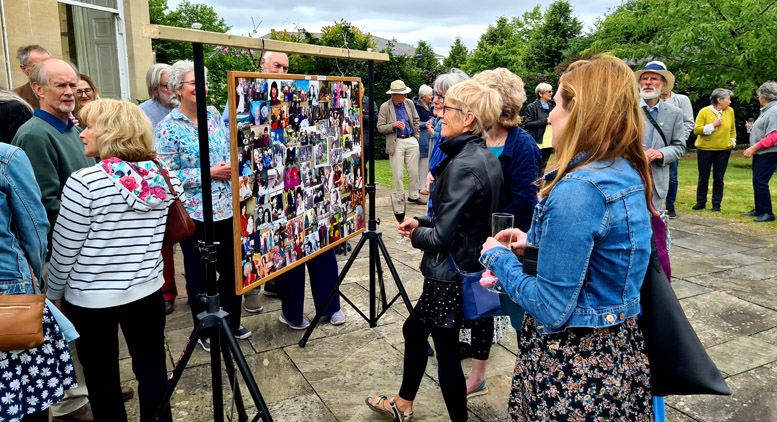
x=438, y=23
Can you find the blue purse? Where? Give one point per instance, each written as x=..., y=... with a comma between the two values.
x=477, y=301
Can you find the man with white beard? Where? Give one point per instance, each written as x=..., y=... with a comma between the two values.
x=664, y=140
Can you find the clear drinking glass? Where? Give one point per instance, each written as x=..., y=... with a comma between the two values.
x=749, y=125
x=399, y=205
x=499, y=222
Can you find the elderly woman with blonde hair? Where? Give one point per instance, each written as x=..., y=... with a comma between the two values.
x=520, y=161
x=468, y=190
x=106, y=258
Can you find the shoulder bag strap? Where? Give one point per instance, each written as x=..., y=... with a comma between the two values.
x=167, y=179
x=655, y=125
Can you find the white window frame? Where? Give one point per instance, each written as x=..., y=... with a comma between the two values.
x=121, y=40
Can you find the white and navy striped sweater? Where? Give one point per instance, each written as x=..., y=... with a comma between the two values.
x=107, y=243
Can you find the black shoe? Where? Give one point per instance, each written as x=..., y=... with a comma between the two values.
x=716, y=208
x=671, y=214
x=698, y=206
x=417, y=201
x=465, y=351
x=763, y=218
x=752, y=213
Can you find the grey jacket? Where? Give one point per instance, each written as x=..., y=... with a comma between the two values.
x=670, y=119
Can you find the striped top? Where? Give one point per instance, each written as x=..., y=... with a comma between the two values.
x=106, y=248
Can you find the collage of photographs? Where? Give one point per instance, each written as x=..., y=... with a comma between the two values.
x=301, y=176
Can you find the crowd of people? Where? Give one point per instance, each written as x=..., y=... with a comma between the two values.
x=87, y=184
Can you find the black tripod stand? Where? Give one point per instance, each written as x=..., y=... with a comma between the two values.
x=376, y=243
x=214, y=320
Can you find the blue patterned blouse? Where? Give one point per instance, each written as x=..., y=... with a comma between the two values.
x=177, y=145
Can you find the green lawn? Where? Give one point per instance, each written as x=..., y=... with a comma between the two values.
x=737, y=195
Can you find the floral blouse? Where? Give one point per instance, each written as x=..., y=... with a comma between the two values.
x=178, y=146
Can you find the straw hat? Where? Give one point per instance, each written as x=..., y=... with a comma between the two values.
x=660, y=68
x=398, y=87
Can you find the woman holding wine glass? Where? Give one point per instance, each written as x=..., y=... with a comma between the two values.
x=467, y=191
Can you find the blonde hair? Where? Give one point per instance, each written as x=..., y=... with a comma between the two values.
x=510, y=88
x=542, y=88
x=605, y=119
x=122, y=130
x=483, y=102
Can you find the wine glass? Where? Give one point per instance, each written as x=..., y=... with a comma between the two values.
x=499, y=222
x=399, y=205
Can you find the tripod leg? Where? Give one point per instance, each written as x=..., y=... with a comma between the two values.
x=394, y=273
x=178, y=371
x=331, y=296
x=253, y=389
x=242, y=416
x=379, y=275
x=215, y=374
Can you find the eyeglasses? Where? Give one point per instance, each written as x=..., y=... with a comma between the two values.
x=192, y=83
x=439, y=96
x=446, y=108
x=86, y=91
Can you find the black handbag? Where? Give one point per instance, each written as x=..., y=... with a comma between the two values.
x=679, y=365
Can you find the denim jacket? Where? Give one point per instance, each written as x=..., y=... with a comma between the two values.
x=23, y=223
x=593, y=232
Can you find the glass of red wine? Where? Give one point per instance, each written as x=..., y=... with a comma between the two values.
x=399, y=205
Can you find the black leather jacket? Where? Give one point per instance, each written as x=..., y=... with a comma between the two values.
x=466, y=193
x=537, y=119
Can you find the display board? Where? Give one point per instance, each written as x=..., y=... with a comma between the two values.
x=298, y=182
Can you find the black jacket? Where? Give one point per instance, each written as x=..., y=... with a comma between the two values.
x=467, y=191
x=537, y=119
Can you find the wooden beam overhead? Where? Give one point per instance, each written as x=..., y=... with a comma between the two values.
x=171, y=33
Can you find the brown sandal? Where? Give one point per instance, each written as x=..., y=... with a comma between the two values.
x=395, y=414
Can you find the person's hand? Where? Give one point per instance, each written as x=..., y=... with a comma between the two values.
x=514, y=238
x=749, y=152
x=429, y=128
x=429, y=179
x=654, y=154
x=407, y=226
x=491, y=243
x=60, y=304
x=399, y=125
x=222, y=171
x=717, y=122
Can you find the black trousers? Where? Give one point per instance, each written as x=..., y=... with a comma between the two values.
x=718, y=161
x=446, y=342
x=143, y=325
x=225, y=266
x=481, y=337
x=763, y=170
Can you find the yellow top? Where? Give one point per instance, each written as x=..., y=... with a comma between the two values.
x=721, y=137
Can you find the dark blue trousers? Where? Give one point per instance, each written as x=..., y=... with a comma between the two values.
x=764, y=166
x=290, y=286
x=671, y=194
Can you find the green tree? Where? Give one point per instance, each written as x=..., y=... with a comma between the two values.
x=504, y=44
x=457, y=57
x=706, y=44
x=548, y=42
x=424, y=59
x=183, y=16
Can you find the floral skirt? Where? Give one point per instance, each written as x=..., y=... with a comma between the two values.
x=34, y=379
x=581, y=375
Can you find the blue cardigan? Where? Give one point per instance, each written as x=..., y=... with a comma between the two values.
x=521, y=160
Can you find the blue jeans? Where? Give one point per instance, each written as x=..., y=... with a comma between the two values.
x=291, y=286
x=764, y=166
x=671, y=194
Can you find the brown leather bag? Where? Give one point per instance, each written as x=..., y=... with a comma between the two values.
x=21, y=320
x=179, y=225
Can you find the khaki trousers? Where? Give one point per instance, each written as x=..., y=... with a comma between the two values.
x=406, y=155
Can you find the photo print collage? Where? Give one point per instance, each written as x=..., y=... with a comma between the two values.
x=301, y=179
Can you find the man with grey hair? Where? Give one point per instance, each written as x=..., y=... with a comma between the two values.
x=30, y=56
x=162, y=99
x=50, y=139
x=664, y=133
x=161, y=102
x=683, y=103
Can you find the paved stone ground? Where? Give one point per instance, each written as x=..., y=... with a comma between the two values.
x=725, y=275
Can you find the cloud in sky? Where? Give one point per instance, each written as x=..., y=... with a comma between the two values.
x=437, y=23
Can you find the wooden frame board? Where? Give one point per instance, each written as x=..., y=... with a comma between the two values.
x=298, y=183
